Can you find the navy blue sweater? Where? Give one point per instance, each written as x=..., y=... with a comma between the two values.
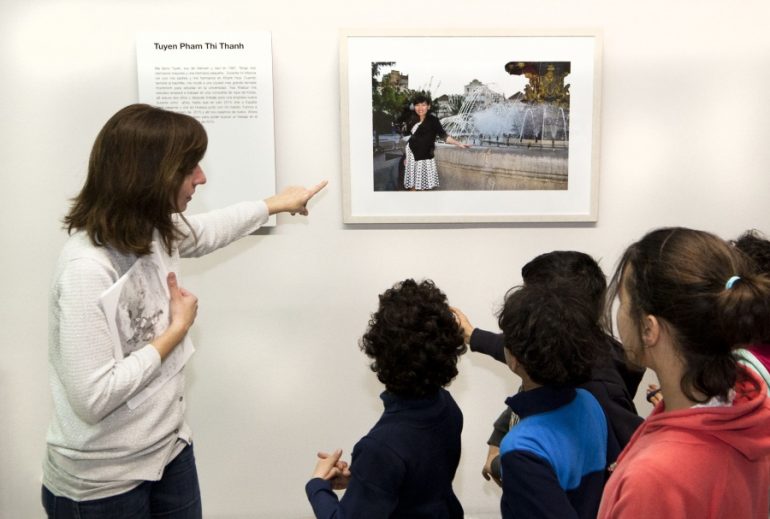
x=553, y=462
x=404, y=467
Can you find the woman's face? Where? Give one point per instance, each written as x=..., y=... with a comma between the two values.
x=187, y=189
x=421, y=109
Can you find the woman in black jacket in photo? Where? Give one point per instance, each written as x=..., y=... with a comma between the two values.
x=423, y=127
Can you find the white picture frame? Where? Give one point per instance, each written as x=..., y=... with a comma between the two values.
x=443, y=61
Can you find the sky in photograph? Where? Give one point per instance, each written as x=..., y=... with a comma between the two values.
x=443, y=77
x=444, y=65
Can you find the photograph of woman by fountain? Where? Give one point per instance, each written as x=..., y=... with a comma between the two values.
x=423, y=128
x=527, y=106
x=491, y=141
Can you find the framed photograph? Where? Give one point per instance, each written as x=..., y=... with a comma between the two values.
x=470, y=126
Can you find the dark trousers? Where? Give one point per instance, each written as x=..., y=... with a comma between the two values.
x=176, y=496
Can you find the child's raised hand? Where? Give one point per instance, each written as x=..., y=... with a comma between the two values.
x=464, y=323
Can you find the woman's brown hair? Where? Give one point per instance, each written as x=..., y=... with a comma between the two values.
x=138, y=163
x=681, y=276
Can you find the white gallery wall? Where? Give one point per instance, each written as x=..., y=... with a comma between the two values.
x=685, y=133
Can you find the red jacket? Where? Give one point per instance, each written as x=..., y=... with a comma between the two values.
x=704, y=463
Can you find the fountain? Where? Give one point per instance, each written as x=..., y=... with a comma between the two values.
x=517, y=143
x=509, y=121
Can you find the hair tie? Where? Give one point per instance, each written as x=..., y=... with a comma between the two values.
x=731, y=282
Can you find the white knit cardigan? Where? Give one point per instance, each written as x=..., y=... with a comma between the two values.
x=96, y=445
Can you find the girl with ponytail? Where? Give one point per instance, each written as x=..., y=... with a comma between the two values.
x=687, y=301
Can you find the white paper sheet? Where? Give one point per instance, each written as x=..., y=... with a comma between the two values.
x=225, y=80
x=137, y=310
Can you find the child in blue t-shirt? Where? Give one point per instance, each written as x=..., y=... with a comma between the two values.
x=554, y=461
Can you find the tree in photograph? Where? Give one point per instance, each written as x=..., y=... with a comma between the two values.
x=378, y=112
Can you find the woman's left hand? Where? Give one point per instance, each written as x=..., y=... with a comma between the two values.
x=293, y=199
x=452, y=140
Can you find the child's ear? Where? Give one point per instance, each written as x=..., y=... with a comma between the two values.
x=650, y=330
x=512, y=361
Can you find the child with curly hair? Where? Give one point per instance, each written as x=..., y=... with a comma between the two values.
x=405, y=465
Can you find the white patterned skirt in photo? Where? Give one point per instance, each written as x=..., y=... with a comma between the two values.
x=420, y=174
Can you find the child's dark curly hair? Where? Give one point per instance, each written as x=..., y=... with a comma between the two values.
x=413, y=339
x=552, y=333
x=754, y=245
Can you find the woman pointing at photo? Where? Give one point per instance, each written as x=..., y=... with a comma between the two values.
x=103, y=458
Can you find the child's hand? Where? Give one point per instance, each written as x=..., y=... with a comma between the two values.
x=464, y=323
x=653, y=394
x=330, y=468
x=487, y=470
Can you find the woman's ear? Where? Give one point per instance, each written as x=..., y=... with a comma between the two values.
x=650, y=330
